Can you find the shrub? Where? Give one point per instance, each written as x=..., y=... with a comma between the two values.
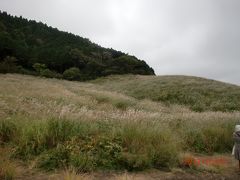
x=71, y=74
x=47, y=73
x=82, y=162
x=39, y=67
x=199, y=107
x=42, y=70
x=108, y=152
x=54, y=158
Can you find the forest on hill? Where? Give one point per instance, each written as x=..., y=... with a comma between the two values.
x=31, y=47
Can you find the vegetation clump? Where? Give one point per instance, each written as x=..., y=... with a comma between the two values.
x=63, y=143
x=72, y=73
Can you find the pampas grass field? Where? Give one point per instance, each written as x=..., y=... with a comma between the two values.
x=96, y=125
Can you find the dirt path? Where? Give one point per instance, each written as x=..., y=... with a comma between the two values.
x=150, y=175
x=210, y=168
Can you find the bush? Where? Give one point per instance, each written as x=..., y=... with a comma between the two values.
x=84, y=155
x=42, y=70
x=71, y=74
x=47, y=73
x=82, y=162
x=55, y=158
x=199, y=107
x=39, y=67
x=108, y=152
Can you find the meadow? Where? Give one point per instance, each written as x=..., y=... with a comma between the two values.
x=98, y=125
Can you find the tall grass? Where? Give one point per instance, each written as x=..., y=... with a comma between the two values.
x=60, y=143
x=61, y=124
x=212, y=138
x=86, y=146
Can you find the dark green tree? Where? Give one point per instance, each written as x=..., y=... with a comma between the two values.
x=72, y=74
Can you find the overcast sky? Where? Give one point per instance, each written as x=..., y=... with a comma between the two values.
x=177, y=37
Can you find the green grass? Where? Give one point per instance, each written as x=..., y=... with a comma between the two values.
x=197, y=93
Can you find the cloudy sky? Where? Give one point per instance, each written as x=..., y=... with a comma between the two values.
x=183, y=37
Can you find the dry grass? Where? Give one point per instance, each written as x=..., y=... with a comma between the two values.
x=37, y=97
x=73, y=175
x=139, y=123
x=7, y=167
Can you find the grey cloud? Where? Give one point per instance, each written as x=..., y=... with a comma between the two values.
x=190, y=37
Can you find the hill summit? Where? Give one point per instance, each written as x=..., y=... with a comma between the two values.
x=199, y=94
x=31, y=47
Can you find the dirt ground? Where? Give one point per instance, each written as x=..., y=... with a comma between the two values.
x=132, y=176
x=226, y=170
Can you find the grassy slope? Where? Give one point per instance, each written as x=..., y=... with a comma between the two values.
x=197, y=93
x=60, y=124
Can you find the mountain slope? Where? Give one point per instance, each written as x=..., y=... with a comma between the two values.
x=27, y=42
x=198, y=93
x=56, y=124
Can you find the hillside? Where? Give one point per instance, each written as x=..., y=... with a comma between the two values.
x=31, y=47
x=78, y=127
x=198, y=94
